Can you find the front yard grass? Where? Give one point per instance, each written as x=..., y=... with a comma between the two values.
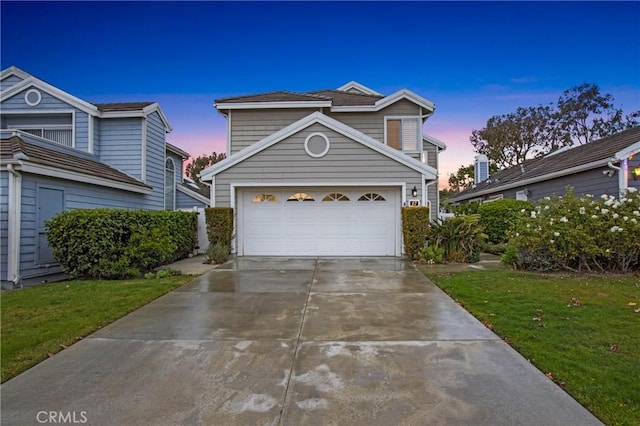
x=581, y=331
x=44, y=319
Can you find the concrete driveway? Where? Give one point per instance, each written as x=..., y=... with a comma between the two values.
x=360, y=341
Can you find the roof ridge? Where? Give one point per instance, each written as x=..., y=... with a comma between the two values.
x=368, y=95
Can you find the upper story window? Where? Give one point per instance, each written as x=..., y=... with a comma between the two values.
x=57, y=127
x=403, y=133
x=169, y=184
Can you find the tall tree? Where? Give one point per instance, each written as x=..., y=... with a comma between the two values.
x=202, y=162
x=586, y=115
x=581, y=115
x=464, y=177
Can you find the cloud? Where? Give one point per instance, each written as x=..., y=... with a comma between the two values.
x=525, y=79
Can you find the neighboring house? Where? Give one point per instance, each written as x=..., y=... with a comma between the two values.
x=605, y=166
x=58, y=152
x=324, y=172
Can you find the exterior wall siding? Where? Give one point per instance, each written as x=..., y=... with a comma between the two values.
x=372, y=123
x=81, y=131
x=156, y=151
x=47, y=102
x=588, y=182
x=183, y=201
x=432, y=154
x=250, y=126
x=9, y=82
x=76, y=195
x=4, y=223
x=347, y=161
x=121, y=144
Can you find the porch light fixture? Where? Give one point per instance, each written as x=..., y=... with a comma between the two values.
x=414, y=192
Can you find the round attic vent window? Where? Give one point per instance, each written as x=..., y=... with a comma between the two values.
x=316, y=145
x=32, y=97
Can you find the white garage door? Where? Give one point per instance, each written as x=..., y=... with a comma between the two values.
x=307, y=221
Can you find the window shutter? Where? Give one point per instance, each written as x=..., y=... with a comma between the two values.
x=410, y=135
x=393, y=134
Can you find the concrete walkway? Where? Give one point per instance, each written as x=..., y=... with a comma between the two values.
x=294, y=342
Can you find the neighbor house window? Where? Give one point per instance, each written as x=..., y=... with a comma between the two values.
x=403, y=133
x=169, y=184
x=62, y=135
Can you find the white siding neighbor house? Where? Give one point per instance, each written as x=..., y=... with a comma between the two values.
x=58, y=152
x=325, y=172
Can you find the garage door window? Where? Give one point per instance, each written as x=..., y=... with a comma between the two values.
x=300, y=196
x=335, y=196
x=371, y=196
x=265, y=198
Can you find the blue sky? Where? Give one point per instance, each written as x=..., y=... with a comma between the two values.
x=472, y=59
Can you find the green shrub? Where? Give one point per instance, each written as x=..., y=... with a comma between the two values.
x=497, y=249
x=579, y=233
x=497, y=217
x=465, y=209
x=217, y=253
x=415, y=228
x=219, y=225
x=116, y=244
x=461, y=237
x=431, y=255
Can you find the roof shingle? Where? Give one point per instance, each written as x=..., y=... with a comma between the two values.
x=599, y=150
x=37, y=154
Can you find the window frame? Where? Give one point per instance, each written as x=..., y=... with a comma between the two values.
x=403, y=118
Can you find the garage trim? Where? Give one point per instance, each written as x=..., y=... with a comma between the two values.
x=238, y=217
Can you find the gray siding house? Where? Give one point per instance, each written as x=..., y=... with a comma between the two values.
x=325, y=172
x=605, y=166
x=58, y=152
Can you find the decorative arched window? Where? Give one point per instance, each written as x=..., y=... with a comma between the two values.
x=335, y=196
x=169, y=184
x=265, y=198
x=300, y=196
x=371, y=196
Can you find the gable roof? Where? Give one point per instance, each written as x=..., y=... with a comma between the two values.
x=172, y=148
x=303, y=123
x=124, y=109
x=583, y=157
x=338, y=100
x=435, y=141
x=55, y=162
x=354, y=86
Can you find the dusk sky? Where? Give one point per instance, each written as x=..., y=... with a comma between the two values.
x=472, y=59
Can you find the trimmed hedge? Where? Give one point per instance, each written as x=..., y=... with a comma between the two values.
x=116, y=244
x=415, y=229
x=498, y=217
x=219, y=225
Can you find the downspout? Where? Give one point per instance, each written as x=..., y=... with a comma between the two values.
x=622, y=175
x=13, y=234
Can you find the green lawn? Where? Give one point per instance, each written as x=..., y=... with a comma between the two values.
x=42, y=320
x=580, y=330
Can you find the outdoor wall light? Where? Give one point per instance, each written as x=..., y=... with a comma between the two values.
x=414, y=192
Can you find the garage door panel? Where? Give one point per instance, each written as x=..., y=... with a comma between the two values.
x=320, y=227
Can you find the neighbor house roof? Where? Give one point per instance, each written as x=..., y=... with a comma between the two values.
x=561, y=163
x=123, y=106
x=57, y=163
x=343, y=99
x=110, y=110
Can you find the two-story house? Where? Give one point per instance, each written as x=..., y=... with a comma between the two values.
x=59, y=152
x=325, y=172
